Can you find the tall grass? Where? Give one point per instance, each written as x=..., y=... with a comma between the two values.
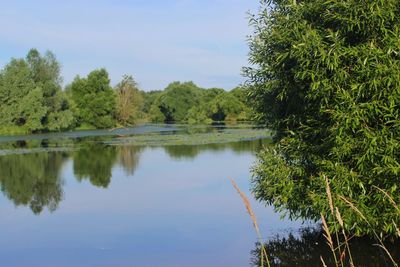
x=346, y=247
x=339, y=240
x=253, y=218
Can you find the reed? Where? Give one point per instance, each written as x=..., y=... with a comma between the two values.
x=337, y=215
x=340, y=249
x=253, y=218
x=377, y=237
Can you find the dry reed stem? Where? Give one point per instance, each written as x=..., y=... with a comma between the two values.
x=327, y=233
x=397, y=228
x=329, y=240
x=339, y=218
x=335, y=213
x=329, y=194
x=323, y=262
x=389, y=197
x=388, y=253
x=248, y=206
x=346, y=240
x=254, y=220
x=354, y=208
x=330, y=200
x=376, y=235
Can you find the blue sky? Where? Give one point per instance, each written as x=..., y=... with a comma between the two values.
x=156, y=41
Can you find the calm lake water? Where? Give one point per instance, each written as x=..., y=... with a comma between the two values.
x=81, y=202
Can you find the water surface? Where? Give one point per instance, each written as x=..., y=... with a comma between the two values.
x=92, y=198
x=82, y=202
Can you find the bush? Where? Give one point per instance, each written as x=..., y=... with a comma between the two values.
x=327, y=80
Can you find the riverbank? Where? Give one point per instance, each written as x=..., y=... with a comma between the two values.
x=145, y=135
x=195, y=138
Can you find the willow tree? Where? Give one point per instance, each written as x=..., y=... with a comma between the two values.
x=325, y=76
x=129, y=101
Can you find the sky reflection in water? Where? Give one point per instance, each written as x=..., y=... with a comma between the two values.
x=130, y=206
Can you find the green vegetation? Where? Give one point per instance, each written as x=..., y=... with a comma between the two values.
x=186, y=102
x=326, y=79
x=177, y=99
x=32, y=100
x=129, y=101
x=196, y=138
x=94, y=100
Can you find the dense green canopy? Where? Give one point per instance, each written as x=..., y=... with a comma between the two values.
x=31, y=98
x=186, y=102
x=326, y=77
x=177, y=99
x=95, y=99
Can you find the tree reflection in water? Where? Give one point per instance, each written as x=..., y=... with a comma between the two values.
x=33, y=179
x=192, y=151
x=128, y=157
x=94, y=161
x=306, y=249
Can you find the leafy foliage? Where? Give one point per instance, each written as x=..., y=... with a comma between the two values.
x=186, y=102
x=326, y=78
x=95, y=100
x=32, y=100
x=30, y=94
x=129, y=101
x=177, y=99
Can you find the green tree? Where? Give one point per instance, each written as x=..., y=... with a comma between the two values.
x=177, y=99
x=224, y=107
x=15, y=84
x=94, y=99
x=325, y=76
x=218, y=105
x=149, y=99
x=32, y=110
x=200, y=112
x=155, y=114
x=209, y=94
x=129, y=101
x=45, y=72
x=31, y=98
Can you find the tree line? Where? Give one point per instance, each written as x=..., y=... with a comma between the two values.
x=32, y=99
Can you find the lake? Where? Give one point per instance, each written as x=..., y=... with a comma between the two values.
x=93, y=199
